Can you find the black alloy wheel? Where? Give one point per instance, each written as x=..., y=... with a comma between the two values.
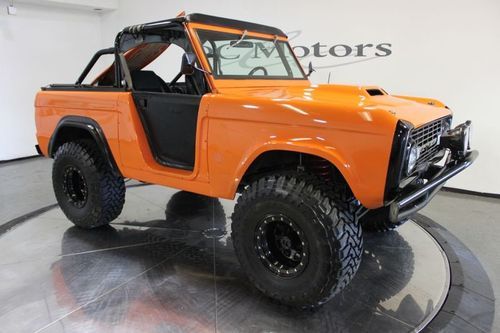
x=281, y=245
x=75, y=186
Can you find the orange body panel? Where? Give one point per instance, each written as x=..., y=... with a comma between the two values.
x=241, y=119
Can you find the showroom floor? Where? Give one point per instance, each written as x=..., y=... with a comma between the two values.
x=26, y=187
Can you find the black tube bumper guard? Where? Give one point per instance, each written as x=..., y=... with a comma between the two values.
x=460, y=158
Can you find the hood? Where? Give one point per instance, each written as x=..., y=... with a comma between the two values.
x=327, y=99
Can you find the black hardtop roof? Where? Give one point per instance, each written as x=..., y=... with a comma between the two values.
x=206, y=19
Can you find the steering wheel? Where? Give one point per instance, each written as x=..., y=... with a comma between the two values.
x=258, y=68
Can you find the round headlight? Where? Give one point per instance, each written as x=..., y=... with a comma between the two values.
x=412, y=159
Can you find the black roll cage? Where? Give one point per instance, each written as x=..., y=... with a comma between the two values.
x=97, y=55
x=78, y=85
x=121, y=75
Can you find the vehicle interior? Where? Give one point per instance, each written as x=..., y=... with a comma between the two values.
x=150, y=60
x=155, y=78
x=167, y=86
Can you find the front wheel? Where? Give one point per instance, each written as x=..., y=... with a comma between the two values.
x=296, y=243
x=88, y=192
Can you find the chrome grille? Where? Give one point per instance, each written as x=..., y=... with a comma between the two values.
x=427, y=138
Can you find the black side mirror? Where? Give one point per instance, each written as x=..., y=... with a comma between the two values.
x=310, y=69
x=187, y=64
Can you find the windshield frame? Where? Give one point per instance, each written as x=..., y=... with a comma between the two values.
x=252, y=35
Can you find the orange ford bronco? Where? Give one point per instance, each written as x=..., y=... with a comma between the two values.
x=311, y=165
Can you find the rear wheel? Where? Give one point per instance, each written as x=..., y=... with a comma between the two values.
x=88, y=192
x=297, y=244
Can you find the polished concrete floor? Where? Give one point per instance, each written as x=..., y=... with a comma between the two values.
x=25, y=186
x=167, y=264
x=476, y=222
x=143, y=263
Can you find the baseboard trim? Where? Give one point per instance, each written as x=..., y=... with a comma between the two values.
x=479, y=194
x=19, y=159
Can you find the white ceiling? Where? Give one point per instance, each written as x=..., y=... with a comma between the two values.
x=87, y=5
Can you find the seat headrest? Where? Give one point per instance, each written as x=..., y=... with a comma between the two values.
x=146, y=81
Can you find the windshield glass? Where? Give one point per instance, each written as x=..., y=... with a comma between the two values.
x=232, y=57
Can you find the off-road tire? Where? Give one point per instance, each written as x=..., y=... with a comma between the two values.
x=378, y=221
x=328, y=223
x=104, y=191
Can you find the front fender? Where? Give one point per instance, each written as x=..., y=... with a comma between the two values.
x=321, y=151
x=367, y=187
x=357, y=142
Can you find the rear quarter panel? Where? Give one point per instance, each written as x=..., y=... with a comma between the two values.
x=51, y=106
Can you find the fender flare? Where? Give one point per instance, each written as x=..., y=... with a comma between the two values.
x=93, y=128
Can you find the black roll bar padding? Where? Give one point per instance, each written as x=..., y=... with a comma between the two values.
x=97, y=55
x=142, y=28
x=118, y=73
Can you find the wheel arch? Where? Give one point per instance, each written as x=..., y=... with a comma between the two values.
x=71, y=128
x=338, y=163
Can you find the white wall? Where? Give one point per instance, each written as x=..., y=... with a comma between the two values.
x=444, y=49
x=39, y=45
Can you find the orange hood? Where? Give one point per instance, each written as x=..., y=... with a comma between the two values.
x=326, y=100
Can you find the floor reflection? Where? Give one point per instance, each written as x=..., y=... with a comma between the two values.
x=179, y=273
